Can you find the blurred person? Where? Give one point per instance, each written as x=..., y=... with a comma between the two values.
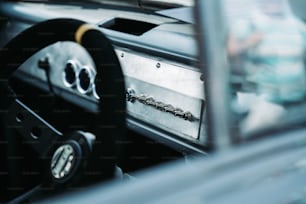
x=268, y=48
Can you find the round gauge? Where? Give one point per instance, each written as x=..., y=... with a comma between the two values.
x=85, y=81
x=69, y=75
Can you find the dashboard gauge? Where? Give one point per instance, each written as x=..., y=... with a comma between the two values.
x=81, y=77
x=85, y=80
x=69, y=74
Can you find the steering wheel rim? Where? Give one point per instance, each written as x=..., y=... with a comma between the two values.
x=110, y=122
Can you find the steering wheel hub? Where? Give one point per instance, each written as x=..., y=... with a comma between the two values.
x=63, y=161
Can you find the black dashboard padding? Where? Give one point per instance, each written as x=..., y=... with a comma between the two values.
x=110, y=122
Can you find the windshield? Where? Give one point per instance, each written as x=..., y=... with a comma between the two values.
x=266, y=44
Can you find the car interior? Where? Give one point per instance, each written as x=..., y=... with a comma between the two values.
x=99, y=91
x=154, y=107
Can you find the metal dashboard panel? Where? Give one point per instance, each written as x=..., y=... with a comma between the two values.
x=171, y=84
x=165, y=81
x=59, y=54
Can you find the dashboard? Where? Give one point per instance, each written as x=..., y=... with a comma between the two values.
x=166, y=108
x=164, y=87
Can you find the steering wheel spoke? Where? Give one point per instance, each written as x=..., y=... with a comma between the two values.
x=36, y=132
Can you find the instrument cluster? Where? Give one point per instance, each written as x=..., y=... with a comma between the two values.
x=81, y=78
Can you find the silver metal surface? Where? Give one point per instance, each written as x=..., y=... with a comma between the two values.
x=59, y=55
x=167, y=82
x=164, y=120
x=80, y=80
x=159, y=105
x=170, y=83
x=62, y=161
x=176, y=77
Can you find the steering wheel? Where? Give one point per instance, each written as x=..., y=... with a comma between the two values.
x=86, y=148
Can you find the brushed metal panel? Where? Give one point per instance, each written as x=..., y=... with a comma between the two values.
x=165, y=81
x=175, y=77
x=59, y=54
x=164, y=120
